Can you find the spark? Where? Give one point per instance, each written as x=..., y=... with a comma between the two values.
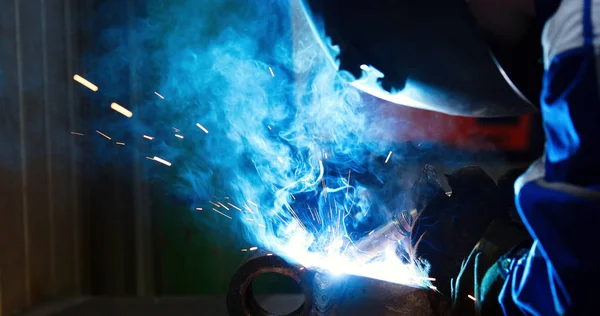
x=159, y=95
x=248, y=208
x=269, y=127
x=364, y=67
x=321, y=169
x=325, y=155
x=280, y=160
x=424, y=278
x=86, y=83
x=301, y=268
x=388, y=157
x=293, y=197
x=117, y=107
x=252, y=203
x=99, y=132
x=319, y=219
x=237, y=208
x=164, y=162
x=313, y=214
x=202, y=128
x=177, y=135
x=261, y=225
x=176, y=130
x=120, y=143
x=249, y=219
x=472, y=297
x=223, y=205
x=272, y=73
x=295, y=216
x=213, y=203
x=348, y=187
x=244, y=250
x=148, y=137
x=222, y=213
x=433, y=287
x=76, y=133
x=330, y=212
x=269, y=254
x=198, y=209
x=253, y=248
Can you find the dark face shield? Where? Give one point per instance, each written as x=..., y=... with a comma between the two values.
x=429, y=54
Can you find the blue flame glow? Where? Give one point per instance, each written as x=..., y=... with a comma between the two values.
x=273, y=138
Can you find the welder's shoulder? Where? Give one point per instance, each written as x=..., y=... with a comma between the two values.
x=571, y=47
x=574, y=25
x=559, y=273
x=570, y=98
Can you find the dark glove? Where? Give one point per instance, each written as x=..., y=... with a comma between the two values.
x=475, y=290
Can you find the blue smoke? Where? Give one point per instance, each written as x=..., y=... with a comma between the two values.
x=292, y=154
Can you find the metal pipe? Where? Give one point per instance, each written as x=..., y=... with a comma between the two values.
x=326, y=291
x=326, y=294
x=240, y=298
x=321, y=289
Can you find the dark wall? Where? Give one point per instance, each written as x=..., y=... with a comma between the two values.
x=42, y=238
x=67, y=225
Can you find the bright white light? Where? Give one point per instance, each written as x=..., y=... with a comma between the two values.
x=85, y=83
x=117, y=107
x=164, y=162
x=202, y=128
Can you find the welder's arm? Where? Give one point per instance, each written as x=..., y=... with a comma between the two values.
x=559, y=197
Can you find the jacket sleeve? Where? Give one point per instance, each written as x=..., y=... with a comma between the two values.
x=561, y=209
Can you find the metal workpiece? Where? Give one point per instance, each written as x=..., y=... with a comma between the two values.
x=364, y=296
x=328, y=294
x=240, y=297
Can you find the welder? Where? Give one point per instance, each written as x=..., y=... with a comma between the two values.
x=500, y=58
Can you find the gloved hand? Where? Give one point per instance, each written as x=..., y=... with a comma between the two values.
x=466, y=296
x=475, y=290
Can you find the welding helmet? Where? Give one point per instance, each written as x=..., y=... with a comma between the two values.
x=429, y=54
